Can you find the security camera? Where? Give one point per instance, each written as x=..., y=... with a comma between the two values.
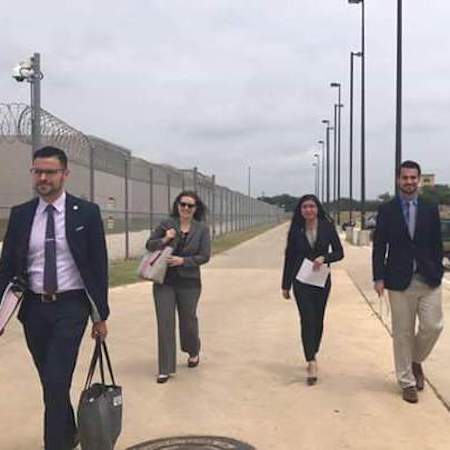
x=22, y=71
x=17, y=73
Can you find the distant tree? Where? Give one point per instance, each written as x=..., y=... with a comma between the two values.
x=285, y=201
x=439, y=193
x=384, y=197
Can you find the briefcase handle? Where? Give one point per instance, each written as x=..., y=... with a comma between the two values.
x=100, y=348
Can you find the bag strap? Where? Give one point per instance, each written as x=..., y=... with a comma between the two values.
x=100, y=348
x=98, y=343
x=92, y=367
x=108, y=362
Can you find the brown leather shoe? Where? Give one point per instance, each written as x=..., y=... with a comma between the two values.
x=410, y=394
x=418, y=375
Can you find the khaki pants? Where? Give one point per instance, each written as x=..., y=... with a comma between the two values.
x=422, y=301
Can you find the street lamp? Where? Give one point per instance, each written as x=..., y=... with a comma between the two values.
x=335, y=158
x=328, y=128
x=338, y=182
x=322, y=143
x=363, y=115
x=316, y=155
x=314, y=164
x=398, y=121
x=30, y=71
x=352, y=55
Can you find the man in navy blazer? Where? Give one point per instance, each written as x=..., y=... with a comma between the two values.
x=407, y=261
x=56, y=243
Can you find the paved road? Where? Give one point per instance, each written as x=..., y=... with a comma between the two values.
x=251, y=381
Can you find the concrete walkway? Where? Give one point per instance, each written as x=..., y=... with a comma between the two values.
x=437, y=367
x=250, y=384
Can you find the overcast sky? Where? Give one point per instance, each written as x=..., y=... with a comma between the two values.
x=227, y=84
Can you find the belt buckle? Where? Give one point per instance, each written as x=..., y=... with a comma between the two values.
x=48, y=298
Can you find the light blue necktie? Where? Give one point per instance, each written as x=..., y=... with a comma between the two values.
x=410, y=217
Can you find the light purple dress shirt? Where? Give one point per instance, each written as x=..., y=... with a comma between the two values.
x=67, y=272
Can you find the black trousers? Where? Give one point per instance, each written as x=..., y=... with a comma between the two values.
x=311, y=303
x=53, y=332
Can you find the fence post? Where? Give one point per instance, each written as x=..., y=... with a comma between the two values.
x=195, y=175
x=213, y=207
x=168, y=193
x=91, y=172
x=221, y=212
x=150, y=195
x=127, y=219
x=236, y=207
x=227, y=211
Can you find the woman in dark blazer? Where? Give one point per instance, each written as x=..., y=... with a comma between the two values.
x=312, y=235
x=189, y=237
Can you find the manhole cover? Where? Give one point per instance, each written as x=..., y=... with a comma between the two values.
x=193, y=443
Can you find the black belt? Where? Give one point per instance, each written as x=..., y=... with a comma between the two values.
x=50, y=298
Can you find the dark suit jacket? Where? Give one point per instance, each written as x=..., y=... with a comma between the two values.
x=394, y=250
x=196, y=251
x=85, y=237
x=298, y=248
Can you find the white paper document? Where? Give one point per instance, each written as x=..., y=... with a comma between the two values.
x=8, y=305
x=307, y=275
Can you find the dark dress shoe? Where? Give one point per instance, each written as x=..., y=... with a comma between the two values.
x=311, y=381
x=193, y=361
x=162, y=378
x=410, y=394
x=418, y=375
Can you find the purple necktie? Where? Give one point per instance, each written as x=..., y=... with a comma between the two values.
x=50, y=277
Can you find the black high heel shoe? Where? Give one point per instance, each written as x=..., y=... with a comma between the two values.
x=193, y=361
x=162, y=378
x=311, y=378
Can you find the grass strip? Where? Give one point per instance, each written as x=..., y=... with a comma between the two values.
x=123, y=272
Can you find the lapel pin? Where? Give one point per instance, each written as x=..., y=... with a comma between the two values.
x=75, y=207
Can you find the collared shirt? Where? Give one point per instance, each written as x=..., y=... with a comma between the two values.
x=67, y=272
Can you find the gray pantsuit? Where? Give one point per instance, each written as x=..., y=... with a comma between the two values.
x=185, y=300
x=179, y=292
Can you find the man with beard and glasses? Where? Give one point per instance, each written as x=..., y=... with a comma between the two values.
x=407, y=261
x=56, y=243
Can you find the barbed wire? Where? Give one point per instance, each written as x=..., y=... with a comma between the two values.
x=15, y=124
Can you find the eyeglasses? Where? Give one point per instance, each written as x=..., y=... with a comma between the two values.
x=187, y=205
x=47, y=172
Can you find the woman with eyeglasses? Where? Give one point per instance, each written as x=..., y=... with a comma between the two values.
x=312, y=235
x=189, y=237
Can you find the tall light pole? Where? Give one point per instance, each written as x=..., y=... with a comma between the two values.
x=338, y=182
x=316, y=155
x=350, y=191
x=314, y=164
x=30, y=71
x=322, y=143
x=335, y=158
x=249, y=181
x=398, y=121
x=328, y=128
x=363, y=115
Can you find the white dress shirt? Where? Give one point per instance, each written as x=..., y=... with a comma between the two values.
x=68, y=274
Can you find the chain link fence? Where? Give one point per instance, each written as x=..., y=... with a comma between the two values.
x=134, y=195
